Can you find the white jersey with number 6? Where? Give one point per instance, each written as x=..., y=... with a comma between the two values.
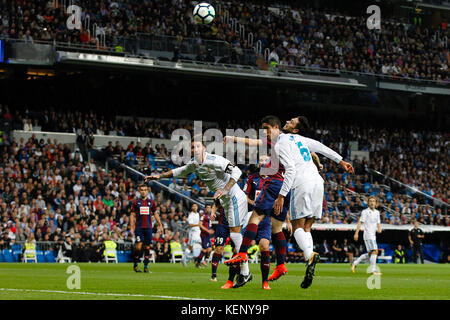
x=301, y=174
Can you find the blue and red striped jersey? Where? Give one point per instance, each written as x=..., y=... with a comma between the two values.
x=206, y=223
x=275, y=167
x=253, y=187
x=142, y=210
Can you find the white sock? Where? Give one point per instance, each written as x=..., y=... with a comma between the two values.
x=373, y=262
x=310, y=241
x=244, y=268
x=303, y=242
x=361, y=258
x=236, y=237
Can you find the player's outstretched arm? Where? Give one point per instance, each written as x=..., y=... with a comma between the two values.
x=247, y=141
x=234, y=172
x=316, y=146
x=167, y=174
x=158, y=221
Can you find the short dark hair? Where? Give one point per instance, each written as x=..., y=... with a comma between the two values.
x=272, y=121
x=303, y=124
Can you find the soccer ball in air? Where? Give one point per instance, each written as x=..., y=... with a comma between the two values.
x=204, y=13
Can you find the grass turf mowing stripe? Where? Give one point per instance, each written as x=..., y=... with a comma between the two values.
x=100, y=294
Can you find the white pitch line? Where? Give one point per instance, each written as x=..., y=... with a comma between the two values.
x=100, y=294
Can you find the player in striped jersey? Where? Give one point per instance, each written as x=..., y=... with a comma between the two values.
x=205, y=236
x=141, y=226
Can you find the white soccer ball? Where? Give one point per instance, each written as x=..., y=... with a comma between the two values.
x=204, y=13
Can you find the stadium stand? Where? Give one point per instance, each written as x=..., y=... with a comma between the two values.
x=296, y=35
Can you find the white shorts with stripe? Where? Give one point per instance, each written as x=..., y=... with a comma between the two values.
x=371, y=245
x=236, y=209
x=194, y=237
x=307, y=200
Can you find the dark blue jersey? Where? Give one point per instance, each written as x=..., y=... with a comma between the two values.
x=142, y=210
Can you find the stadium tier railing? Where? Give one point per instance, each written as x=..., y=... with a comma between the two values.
x=414, y=190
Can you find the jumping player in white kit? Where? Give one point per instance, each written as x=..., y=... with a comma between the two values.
x=370, y=218
x=220, y=175
x=306, y=185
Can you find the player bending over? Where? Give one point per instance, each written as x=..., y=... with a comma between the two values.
x=220, y=175
x=370, y=218
x=141, y=226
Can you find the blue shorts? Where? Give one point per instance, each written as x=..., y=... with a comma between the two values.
x=264, y=229
x=221, y=235
x=206, y=242
x=266, y=199
x=143, y=235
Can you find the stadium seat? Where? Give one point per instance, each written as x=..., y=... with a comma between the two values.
x=2, y=259
x=177, y=256
x=30, y=255
x=108, y=258
x=61, y=258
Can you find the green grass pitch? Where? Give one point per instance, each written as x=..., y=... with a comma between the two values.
x=173, y=281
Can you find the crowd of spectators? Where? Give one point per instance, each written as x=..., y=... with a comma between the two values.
x=296, y=36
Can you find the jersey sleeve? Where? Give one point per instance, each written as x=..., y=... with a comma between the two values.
x=248, y=185
x=363, y=217
x=133, y=207
x=224, y=165
x=284, y=152
x=184, y=170
x=153, y=206
x=191, y=219
x=316, y=146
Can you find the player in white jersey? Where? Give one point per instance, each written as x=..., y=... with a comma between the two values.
x=220, y=175
x=302, y=178
x=194, y=234
x=370, y=218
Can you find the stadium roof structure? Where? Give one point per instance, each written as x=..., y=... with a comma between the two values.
x=205, y=69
